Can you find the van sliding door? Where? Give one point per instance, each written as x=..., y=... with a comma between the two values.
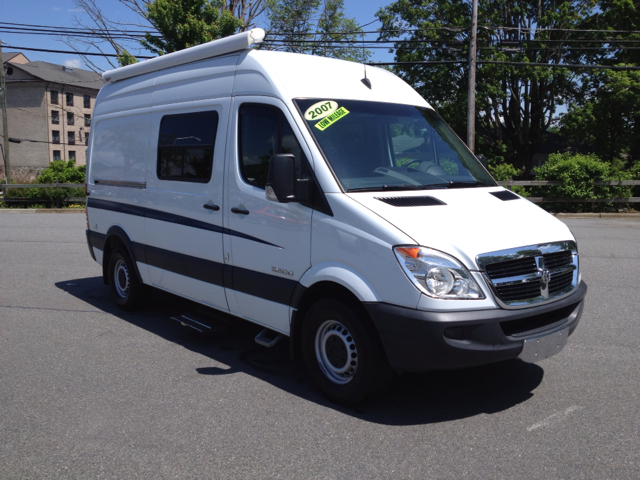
x=184, y=203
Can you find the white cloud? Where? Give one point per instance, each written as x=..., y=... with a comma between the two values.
x=73, y=63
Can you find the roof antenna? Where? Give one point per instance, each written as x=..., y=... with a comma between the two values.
x=365, y=80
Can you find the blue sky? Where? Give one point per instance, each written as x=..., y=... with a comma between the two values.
x=61, y=13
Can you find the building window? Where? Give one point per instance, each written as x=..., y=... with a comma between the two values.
x=70, y=118
x=55, y=136
x=86, y=138
x=54, y=97
x=185, y=147
x=56, y=155
x=87, y=120
x=71, y=138
x=87, y=101
x=69, y=99
x=55, y=117
x=72, y=155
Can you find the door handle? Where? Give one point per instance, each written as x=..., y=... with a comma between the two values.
x=215, y=208
x=240, y=211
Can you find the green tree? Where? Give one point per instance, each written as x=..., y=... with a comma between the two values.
x=608, y=117
x=186, y=23
x=125, y=58
x=106, y=33
x=515, y=104
x=605, y=112
x=315, y=27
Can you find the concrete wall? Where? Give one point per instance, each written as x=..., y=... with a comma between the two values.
x=27, y=120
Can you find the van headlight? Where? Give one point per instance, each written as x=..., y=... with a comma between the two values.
x=437, y=274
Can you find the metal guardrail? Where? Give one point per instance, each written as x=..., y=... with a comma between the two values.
x=508, y=184
x=5, y=187
x=542, y=183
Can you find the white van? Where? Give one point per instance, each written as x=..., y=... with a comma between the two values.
x=327, y=202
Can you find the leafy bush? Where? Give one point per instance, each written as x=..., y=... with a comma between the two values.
x=59, y=171
x=503, y=171
x=634, y=173
x=578, y=172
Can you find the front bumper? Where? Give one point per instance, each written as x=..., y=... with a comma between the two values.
x=417, y=340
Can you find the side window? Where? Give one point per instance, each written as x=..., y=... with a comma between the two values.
x=185, y=147
x=264, y=131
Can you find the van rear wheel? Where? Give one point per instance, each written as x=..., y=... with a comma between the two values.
x=341, y=352
x=126, y=289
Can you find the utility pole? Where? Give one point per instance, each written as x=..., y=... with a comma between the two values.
x=5, y=125
x=471, y=92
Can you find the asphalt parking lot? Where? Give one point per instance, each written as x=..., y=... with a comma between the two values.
x=87, y=391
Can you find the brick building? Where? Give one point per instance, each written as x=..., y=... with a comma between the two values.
x=49, y=107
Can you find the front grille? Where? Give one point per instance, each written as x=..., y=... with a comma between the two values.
x=554, y=260
x=519, y=291
x=512, y=268
x=531, y=275
x=560, y=282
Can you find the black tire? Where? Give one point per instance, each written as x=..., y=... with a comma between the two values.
x=126, y=289
x=342, y=353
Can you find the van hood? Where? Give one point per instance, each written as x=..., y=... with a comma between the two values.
x=469, y=222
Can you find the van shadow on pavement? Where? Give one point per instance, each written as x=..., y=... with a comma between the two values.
x=412, y=399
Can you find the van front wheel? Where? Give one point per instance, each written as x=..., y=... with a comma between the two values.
x=341, y=352
x=126, y=289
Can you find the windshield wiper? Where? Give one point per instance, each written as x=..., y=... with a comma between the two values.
x=469, y=184
x=386, y=188
x=390, y=188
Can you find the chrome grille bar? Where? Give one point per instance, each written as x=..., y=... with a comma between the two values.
x=531, y=275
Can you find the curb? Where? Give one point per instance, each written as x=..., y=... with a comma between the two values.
x=42, y=210
x=627, y=216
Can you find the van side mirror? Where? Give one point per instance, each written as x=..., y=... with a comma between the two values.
x=483, y=161
x=281, y=179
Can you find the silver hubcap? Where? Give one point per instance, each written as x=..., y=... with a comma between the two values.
x=336, y=352
x=121, y=278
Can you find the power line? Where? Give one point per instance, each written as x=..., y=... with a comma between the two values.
x=78, y=29
x=446, y=28
x=435, y=62
x=526, y=64
x=71, y=51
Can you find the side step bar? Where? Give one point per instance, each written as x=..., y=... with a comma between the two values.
x=190, y=322
x=268, y=338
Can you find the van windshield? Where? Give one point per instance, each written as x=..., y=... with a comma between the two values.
x=375, y=146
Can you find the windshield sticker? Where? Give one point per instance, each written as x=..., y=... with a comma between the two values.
x=320, y=110
x=331, y=119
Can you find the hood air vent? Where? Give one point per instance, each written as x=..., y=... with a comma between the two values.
x=505, y=195
x=411, y=201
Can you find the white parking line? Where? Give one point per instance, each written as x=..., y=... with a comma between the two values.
x=554, y=418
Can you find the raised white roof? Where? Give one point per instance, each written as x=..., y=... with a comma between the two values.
x=293, y=75
x=215, y=48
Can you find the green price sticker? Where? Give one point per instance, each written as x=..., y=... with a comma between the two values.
x=326, y=122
